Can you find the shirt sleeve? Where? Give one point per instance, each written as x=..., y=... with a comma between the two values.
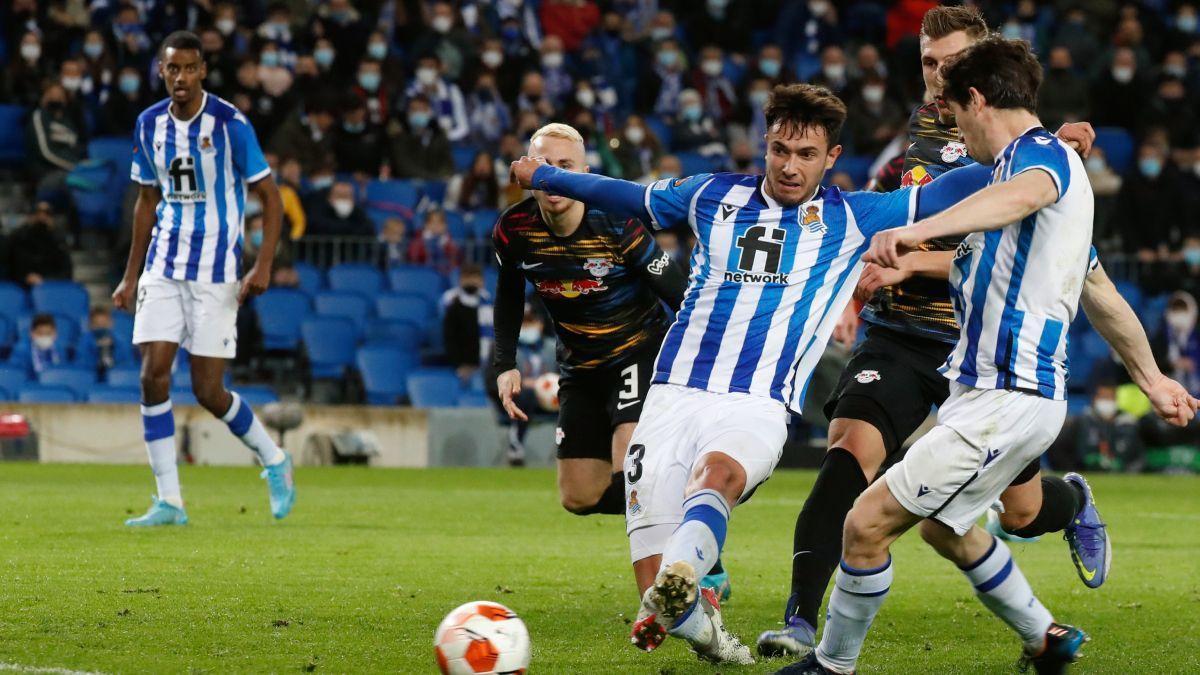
x=142, y=169
x=643, y=255
x=1045, y=153
x=669, y=200
x=875, y=211
x=247, y=154
x=1093, y=262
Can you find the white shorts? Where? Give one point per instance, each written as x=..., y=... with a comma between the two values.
x=681, y=424
x=983, y=439
x=200, y=317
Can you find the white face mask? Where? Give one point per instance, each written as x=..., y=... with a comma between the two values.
x=31, y=51
x=552, y=60
x=711, y=67
x=72, y=84
x=818, y=7
x=608, y=97
x=529, y=335
x=635, y=135
x=1106, y=408
x=226, y=26
x=1094, y=164
x=492, y=58
x=1180, y=322
x=442, y=24
x=44, y=341
x=343, y=207
x=586, y=97
x=427, y=76
x=873, y=94
x=834, y=71
x=1122, y=74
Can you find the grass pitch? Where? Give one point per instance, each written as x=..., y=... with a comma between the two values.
x=360, y=574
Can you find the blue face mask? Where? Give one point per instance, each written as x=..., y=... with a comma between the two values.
x=377, y=50
x=1150, y=167
x=770, y=67
x=1191, y=256
x=668, y=58
x=510, y=33
x=692, y=113
x=354, y=127
x=323, y=57
x=418, y=120
x=129, y=83
x=93, y=50
x=321, y=182
x=256, y=238
x=269, y=59
x=369, y=81
x=1186, y=23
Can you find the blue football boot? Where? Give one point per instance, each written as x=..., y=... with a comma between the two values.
x=719, y=584
x=1091, y=550
x=1061, y=649
x=796, y=638
x=280, y=486
x=160, y=513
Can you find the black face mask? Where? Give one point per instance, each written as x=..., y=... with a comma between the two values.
x=56, y=107
x=470, y=289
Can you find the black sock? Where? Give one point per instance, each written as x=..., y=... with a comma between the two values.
x=717, y=567
x=613, y=499
x=817, y=546
x=1061, y=501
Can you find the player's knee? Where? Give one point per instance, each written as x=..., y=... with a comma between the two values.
x=155, y=386
x=862, y=533
x=1016, y=518
x=579, y=500
x=211, y=397
x=935, y=535
x=862, y=440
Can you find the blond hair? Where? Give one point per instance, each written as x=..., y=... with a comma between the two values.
x=557, y=130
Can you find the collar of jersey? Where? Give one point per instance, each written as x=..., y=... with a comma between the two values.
x=199, y=111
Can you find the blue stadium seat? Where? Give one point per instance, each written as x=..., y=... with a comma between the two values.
x=12, y=135
x=124, y=377
x=280, y=312
x=61, y=297
x=14, y=301
x=433, y=388
x=1130, y=291
x=398, y=195
x=12, y=378
x=456, y=225
x=115, y=149
x=694, y=163
x=79, y=380
x=6, y=395
x=1093, y=345
x=434, y=190
x=93, y=185
x=473, y=399
x=329, y=342
x=395, y=332
x=858, y=166
x=482, y=221
x=8, y=333
x=312, y=279
x=412, y=307
x=660, y=129
x=346, y=304
x=182, y=397
x=416, y=279
x=46, y=393
x=107, y=393
x=122, y=326
x=464, y=157
x=1118, y=148
x=356, y=277
x=383, y=369
x=181, y=378
x=256, y=395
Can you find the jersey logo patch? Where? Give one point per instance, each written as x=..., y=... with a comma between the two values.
x=599, y=267
x=206, y=143
x=761, y=251
x=727, y=212
x=953, y=151
x=635, y=507
x=868, y=376
x=811, y=221
x=558, y=435
x=659, y=265
x=963, y=250
x=570, y=288
x=918, y=175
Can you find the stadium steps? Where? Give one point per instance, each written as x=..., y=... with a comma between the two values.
x=93, y=269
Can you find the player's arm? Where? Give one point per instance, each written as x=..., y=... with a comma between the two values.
x=613, y=195
x=507, y=312
x=643, y=255
x=259, y=277
x=931, y=264
x=144, y=215
x=1117, y=323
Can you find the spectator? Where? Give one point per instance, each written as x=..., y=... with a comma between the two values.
x=307, y=136
x=532, y=363
x=44, y=350
x=710, y=25
x=842, y=181
x=446, y=99
x=220, y=63
x=867, y=62
x=98, y=66
x=1170, y=110
x=754, y=119
x=1144, y=212
x=637, y=149
x=277, y=29
x=56, y=144
x=505, y=72
x=1077, y=36
x=395, y=240
x=668, y=241
x=714, y=86
x=1107, y=439
x=121, y=110
x=660, y=88
x=434, y=247
x=390, y=64
x=488, y=114
x=288, y=178
x=568, y=22
x=358, y=144
x=1121, y=90
x=532, y=96
x=668, y=167
x=1064, y=95
x=25, y=72
x=769, y=66
x=1106, y=185
x=874, y=119
x=37, y=250
x=460, y=322
x=449, y=41
x=339, y=215
x=373, y=91
x=420, y=148
x=343, y=25
x=478, y=188
x=129, y=35
x=834, y=73
x=101, y=343
x=1177, y=346
x=554, y=71
x=808, y=28
x=695, y=131
x=325, y=56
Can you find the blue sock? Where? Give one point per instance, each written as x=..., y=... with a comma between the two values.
x=700, y=537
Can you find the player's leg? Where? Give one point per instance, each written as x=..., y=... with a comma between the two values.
x=591, y=440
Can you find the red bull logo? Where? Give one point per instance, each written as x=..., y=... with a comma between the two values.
x=915, y=176
x=569, y=288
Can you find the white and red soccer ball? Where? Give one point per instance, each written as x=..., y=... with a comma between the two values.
x=482, y=637
x=545, y=388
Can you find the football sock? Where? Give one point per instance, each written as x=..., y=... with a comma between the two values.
x=699, y=538
x=1061, y=501
x=158, y=427
x=817, y=546
x=856, y=599
x=245, y=425
x=612, y=501
x=694, y=626
x=717, y=568
x=1000, y=585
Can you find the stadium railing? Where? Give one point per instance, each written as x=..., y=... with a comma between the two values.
x=326, y=251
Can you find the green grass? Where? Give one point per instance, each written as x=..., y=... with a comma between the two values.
x=358, y=577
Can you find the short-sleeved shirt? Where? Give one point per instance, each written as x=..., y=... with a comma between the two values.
x=202, y=166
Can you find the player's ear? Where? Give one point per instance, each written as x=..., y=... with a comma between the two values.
x=586, y=169
x=977, y=99
x=832, y=157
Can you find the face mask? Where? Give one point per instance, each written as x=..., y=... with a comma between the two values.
x=1094, y=164
x=1186, y=23
x=1176, y=70
x=442, y=24
x=31, y=52
x=321, y=182
x=427, y=76
x=226, y=26
x=492, y=58
x=93, y=50
x=1123, y=74
x=1011, y=30
x=343, y=207
x=1150, y=167
x=873, y=95
x=530, y=335
x=834, y=71
x=377, y=50
x=510, y=33
x=711, y=67
x=660, y=33
x=717, y=6
x=692, y=113
x=1180, y=322
x=552, y=60
x=44, y=342
x=1105, y=408
x=758, y=97
x=56, y=107
x=667, y=59
x=323, y=57
x=1191, y=256
x=72, y=84
x=635, y=135
x=256, y=238
x=770, y=67
x=418, y=120
x=354, y=127
x=470, y=289
x=818, y=7
x=253, y=208
x=586, y=97
x=369, y=81
x=269, y=59
x=129, y=84
x=608, y=97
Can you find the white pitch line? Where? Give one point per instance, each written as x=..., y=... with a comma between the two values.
x=19, y=668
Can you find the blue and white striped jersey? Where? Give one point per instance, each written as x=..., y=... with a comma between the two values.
x=202, y=166
x=767, y=282
x=1016, y=290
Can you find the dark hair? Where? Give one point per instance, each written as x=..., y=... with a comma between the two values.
x=476, y=192
x=796, y=106
x=1005, y=71
x=40, y=320
x=942, y=21
x=180, y=40
x=100, y=310
x=470, y=269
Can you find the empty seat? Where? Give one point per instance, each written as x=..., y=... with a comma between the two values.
x=312, y=279
x=124, y=377
x=60, y=297
x=122, y=326
x=14, y=301
x=12, y=378
x=423, y=281
x=482, y=221
x=408, y=306
x=46, y=393
x=12, y=135
x=330, y=344
x=1118, y=147
x=433, y=388
x=395, y=332
x=107, y=393
x=473, y=399
x=384, y=369
x=115, y=149
x=352, y=306
x=400, y=195
x=356, y=277
x=256, y=394
x=79, y=380
x=280, y=312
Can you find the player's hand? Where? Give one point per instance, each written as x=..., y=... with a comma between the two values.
x=1172, y=402
x=123, y=297
x=509, y=384
x=255, y=282
x=521, y=171
x=874, y=278
x=1079, y=135
x=888, y=246
x=845, y=331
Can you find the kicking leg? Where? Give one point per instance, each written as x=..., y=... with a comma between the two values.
x=158, y=425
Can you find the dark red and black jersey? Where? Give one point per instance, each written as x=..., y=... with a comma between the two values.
x=602, y=286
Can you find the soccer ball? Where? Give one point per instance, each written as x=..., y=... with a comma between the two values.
x=545, y=387
x=482, y=637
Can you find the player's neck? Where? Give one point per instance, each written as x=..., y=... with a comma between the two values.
x=564, y=224
x=1007, y=126
x=188, y=111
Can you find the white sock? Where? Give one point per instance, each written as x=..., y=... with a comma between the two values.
x=694, y=626
x=700, y=537
x=158, y=426
x=245, y=425
x=1000, y=585
x=856, y=599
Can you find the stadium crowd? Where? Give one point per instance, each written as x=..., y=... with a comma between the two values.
x=392, y=123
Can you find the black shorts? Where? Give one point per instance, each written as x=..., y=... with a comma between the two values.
x=592, y=403
x=891, y=382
